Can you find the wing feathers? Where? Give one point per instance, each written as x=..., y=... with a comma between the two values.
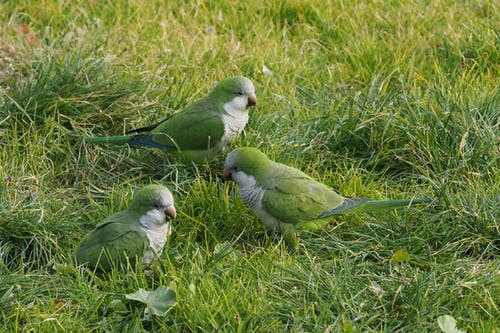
x=150, y=127
x=148, y=140
x=348, y=204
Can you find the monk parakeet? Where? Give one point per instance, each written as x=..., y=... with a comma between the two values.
x=201, y=130
x=286, y=199
x=135, y=234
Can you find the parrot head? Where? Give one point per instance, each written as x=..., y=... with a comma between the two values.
x=246, y=165
x=238, y=90
x=155, y=200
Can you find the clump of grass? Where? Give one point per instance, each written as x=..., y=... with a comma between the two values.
x=66, y=89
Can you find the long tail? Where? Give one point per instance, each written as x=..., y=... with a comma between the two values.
x=107, y=139
x=133, y=140
x=365, y=205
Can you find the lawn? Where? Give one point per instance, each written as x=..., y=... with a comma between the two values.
x=378, y=99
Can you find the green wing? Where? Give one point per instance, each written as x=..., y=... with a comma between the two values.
x=198, y=127
x=295, y=198
x=112, y=242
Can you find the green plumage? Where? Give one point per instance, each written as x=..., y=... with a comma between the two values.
x=195, y=133
x=287, y=200
x=292, y=196
x=114, y=241
x=192, y=133
x=123, y=237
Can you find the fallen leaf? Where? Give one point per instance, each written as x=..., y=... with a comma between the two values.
x=157, y=302
x=448, y=324
x=118, y=306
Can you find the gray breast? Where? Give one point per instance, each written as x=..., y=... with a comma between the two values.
x=252, y=196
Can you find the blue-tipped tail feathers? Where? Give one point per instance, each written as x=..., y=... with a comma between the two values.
x=147, y=141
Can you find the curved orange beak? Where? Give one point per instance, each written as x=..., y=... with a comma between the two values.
x=170, y=211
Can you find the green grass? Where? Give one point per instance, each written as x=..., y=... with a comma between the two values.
x=382, y=99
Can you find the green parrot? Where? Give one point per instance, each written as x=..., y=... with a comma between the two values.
x=201, y=130
x=135, y=234
x=286, y=199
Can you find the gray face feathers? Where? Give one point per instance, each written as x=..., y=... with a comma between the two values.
x=250, y=161
x=234, y=87
x=153, y=197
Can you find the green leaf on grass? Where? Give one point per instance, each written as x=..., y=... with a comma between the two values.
x=448, y=324
x=117, y=306
x=157, y=302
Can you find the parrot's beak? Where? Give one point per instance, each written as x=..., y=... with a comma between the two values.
x=170, y=211
x=252, y=100
x=226, y=174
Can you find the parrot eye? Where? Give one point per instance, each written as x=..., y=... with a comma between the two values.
x=240, y=93
x=236, y=168
x=157, y=205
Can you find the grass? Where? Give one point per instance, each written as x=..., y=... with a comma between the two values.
x=381, y=99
